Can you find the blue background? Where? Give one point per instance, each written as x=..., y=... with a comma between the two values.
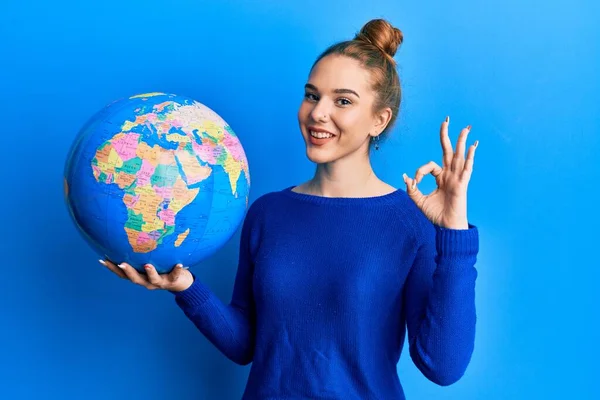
x=524, y=74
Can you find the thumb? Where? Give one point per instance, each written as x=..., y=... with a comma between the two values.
x=175, y=273
x=411, y=184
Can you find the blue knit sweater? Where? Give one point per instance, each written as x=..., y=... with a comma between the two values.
x=326, y=289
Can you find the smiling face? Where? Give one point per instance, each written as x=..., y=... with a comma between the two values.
x=336, y=116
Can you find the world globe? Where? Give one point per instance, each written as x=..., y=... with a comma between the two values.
x=156, y=178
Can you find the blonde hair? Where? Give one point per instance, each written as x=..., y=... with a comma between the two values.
x=374, y=46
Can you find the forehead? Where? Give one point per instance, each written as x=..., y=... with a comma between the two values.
x=340, y=72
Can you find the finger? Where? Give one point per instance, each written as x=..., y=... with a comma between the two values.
x=135, y=276
x=468, y=169
x=153, y=277
x=408, y=182
x=447, y=152
x=411, y=188
x=458, y=161
x=430, y=168
x=112, y=266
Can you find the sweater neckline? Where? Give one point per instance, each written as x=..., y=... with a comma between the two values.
x=387, y=198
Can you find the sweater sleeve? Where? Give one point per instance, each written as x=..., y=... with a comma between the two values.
x=440, y=302
x=230, y=327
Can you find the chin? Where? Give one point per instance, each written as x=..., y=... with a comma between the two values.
x=320, y=155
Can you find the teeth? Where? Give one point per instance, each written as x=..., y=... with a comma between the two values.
x=320, y=135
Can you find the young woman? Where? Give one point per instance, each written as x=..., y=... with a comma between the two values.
x=332, y=271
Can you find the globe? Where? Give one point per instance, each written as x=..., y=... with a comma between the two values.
x=156, y=178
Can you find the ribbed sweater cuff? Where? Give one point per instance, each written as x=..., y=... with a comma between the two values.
x=196, y=295
x=457, y=243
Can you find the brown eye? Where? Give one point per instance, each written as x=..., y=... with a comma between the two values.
x=310, y=96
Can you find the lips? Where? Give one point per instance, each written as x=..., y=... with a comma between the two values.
x=319, y=137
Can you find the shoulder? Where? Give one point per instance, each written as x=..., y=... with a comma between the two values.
x=264, y=202
x=428, y=234
x=410, y=216
x=255, y=221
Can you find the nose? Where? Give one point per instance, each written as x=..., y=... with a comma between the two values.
x=320, y=112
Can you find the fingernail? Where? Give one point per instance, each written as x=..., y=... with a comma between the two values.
x=146, y=266
x=404, y=176
x=121, y=266
x=476, y=143
x=448, y=119
x=469, y=127
x=414, y=184
x=102, y=262
x=179, y=265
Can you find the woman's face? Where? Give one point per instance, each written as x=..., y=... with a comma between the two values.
x=336, y=115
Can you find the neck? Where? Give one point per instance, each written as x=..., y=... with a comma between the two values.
x=344, y=178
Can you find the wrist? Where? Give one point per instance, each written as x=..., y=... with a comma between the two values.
x=458, y=225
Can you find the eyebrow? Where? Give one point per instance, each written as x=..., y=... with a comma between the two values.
x=313, y=87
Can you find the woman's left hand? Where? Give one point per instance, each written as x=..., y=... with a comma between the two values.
x=446, y=206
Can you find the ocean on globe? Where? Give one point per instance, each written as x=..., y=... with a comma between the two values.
x=156, y=178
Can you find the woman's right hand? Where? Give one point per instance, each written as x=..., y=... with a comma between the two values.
x=177, y=280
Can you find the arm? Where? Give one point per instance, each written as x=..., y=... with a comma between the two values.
x=229, y=327
x=440, y=302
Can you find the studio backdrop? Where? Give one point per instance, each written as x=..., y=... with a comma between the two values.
x=523, y=74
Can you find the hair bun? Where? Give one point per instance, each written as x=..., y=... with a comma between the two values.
x=382, y=34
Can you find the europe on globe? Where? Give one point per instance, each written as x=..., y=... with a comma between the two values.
x=156, y=178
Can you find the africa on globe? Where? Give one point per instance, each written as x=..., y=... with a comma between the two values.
x=156, y=178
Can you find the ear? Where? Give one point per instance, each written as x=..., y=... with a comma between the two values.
x=382, y=119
